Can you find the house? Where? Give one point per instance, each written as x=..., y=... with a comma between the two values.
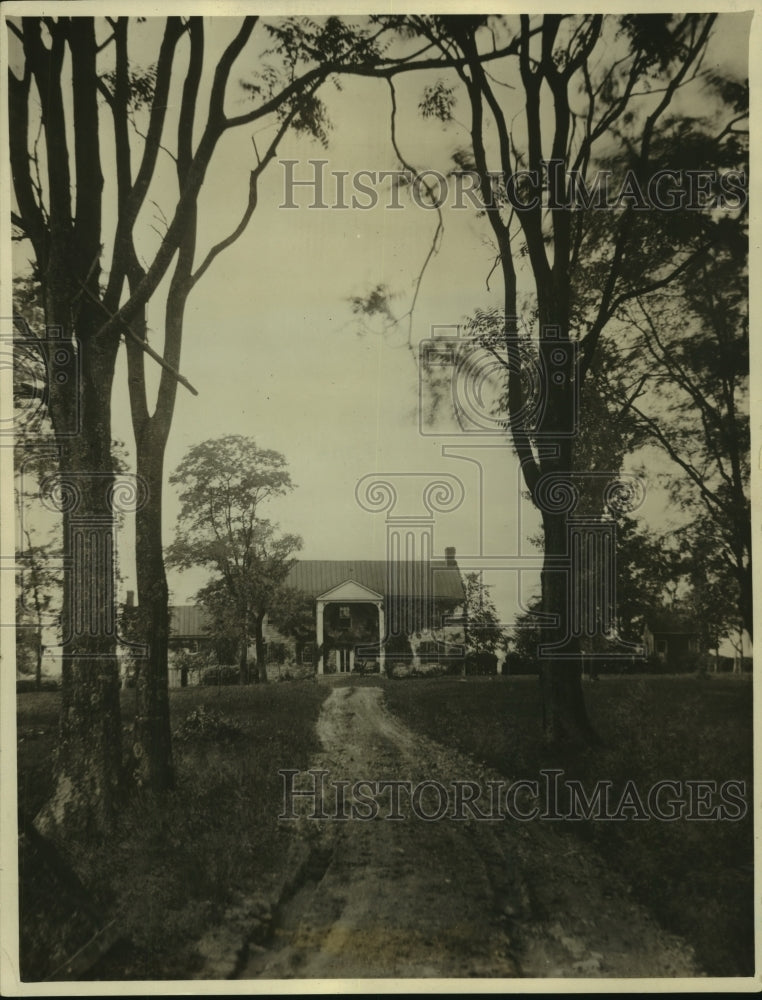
x=364, y=609
x=187, y=624
x=187, y=634
x=188, y=628
x=672, y=638
x=363, y=612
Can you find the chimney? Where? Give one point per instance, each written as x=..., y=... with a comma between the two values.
x=450, y=555
x=130, y=602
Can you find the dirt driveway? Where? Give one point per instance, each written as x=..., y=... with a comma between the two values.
x=448, y=898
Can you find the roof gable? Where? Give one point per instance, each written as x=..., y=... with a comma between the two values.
x=351, y=590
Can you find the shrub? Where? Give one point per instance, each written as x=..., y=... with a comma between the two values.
x=365, y=666
x=481, y=664
x=221, y=675
x=397, y=652
x=431, y=669
x=517, y=663
x=277, y=652
x=203, y=724
x=26, y=685
x=188, y=664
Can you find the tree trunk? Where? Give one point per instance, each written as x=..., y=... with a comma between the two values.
x=152, y=739
x=259, y=640
x=564, y=713
x=745, y=581
x=87, y=766
x=243, y=660
x=38, y=664
x=88, y=759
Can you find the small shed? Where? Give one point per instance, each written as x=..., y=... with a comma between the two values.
x=188, y=627
x=672, y=638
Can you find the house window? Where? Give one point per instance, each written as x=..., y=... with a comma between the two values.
x=307, y=652
x=345, y=617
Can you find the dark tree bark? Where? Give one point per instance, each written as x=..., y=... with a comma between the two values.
x=152, y=746
x=545, y=452
x=152, y=741
x=243, y=658
x=68, y=248
x=259, y=641
x=565, y=714
x=87, y=765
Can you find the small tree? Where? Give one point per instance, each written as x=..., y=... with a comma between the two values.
x=484, y=634
x=38, y=586
x=219, y=526
x=294, y=615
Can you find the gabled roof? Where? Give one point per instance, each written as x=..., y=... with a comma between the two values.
x=350, y=591
x=187, y=621
x=317, y=576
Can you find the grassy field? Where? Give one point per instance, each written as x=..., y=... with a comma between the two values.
x=173, y=866
x=696, y=876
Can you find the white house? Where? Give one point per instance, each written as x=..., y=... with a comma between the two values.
x=364, y=609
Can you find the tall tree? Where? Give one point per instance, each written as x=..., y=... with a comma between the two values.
x=66, y=240
x=224, y=484
x=713, y=595
x=585, y=84
x=289, y=101
x=684, y=377
x=68, y=77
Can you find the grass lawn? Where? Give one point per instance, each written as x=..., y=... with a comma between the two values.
x=696, y=876
x=173, y=865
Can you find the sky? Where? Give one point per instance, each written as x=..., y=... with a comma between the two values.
x=275, y=352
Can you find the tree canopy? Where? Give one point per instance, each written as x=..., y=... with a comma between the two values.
x=224, y=485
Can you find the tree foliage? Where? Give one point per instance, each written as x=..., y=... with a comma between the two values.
x=588, y=119
x=79, y=98
x=224, y=484
x=684, y=379
x=484, y=632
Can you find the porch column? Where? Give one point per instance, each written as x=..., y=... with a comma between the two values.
x=319, y=635
x=381, y=635
x=351, y=660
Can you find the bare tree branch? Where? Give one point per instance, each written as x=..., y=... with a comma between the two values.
x=144, y=346
x=251, y=204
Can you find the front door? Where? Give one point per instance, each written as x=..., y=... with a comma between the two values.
x=344, y=659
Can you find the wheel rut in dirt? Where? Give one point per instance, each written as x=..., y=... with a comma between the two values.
x=408, y=897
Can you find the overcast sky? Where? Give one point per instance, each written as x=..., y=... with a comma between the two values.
x=273, y=348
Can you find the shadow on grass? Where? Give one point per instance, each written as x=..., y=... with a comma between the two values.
x=175, y=862
x=696, y=877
